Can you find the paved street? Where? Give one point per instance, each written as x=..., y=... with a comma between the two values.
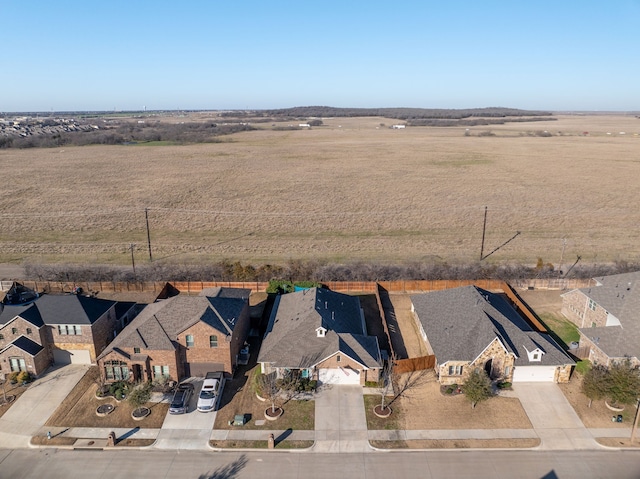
x=53, y=464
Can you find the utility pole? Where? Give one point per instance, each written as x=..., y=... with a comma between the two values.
x=146, y=216
x=635, y=423
x=133, y=261
x=564, y=245
x=484, y=228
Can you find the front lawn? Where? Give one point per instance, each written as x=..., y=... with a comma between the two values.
x=78, y=409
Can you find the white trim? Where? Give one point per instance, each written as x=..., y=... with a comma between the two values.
x=331, y=355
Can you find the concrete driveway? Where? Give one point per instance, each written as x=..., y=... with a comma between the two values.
x=190, y=430
x=341, y=424
x=31, y=410
x=553, y=418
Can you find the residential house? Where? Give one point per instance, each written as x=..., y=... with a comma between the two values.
x=57, y=329
x=181, y=336
x=608, y=317
x=470, y=328
x=322, y=334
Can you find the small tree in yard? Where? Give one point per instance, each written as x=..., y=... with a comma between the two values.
x=477, y=387
x=140, y=395
x=623, y=382
x=399, y=384
x=595, y=384
x=277, y=390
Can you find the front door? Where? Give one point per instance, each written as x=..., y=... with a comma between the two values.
x=488, y=368
x=137, y=372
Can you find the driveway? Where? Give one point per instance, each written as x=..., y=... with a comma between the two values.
x=32, y=409
x=341, y=424
x=553, y=418
x=190, y=430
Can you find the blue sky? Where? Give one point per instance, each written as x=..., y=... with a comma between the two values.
x=208, y=54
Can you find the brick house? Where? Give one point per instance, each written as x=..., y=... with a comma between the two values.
x=323, y=335
x=181, y=336
x=57, y=329
x=469, y=328
x=607, y=316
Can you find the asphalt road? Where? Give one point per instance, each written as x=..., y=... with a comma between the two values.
x=53, y=463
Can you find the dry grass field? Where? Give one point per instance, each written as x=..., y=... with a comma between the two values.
x=348, y=190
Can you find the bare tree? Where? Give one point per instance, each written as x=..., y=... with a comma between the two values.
x=400, y=385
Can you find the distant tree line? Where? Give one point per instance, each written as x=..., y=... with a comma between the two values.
x=398, y=113
x=474, y=121
x=299, y=270
x=129, y=132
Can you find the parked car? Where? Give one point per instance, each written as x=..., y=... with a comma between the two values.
x=211, y=388
x=180, y=401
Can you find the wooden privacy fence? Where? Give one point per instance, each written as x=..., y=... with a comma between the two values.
x=523, y=308
x=401, y=366
x=383, y=318
x=260, y=286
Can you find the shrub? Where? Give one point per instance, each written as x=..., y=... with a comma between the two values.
x=504, y=385
x=13, y=377
x=118, y=394
x=24, y=377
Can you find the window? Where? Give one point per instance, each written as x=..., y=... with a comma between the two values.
x=17, y=364
x=190, y=341
x=159, y=371
x=455, y=370
x=213, y=341
x=338, y=358
x=116, y=370
x=592, y=305
x=29, y=331
x=507, y=370
x=14, y=330
x=77, y=330
x=62, y=330
x=1, y=337
x=535, y=356
x=136, y=350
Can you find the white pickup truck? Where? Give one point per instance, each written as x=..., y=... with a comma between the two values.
x=210, y=392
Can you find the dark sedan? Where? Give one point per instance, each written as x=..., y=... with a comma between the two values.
x=180, y=401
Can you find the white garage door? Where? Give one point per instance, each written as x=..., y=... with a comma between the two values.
x=339, y=376
x=534, y=374
x=71, y=356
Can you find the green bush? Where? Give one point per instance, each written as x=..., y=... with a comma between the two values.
x=13, y=377
x=118, y=394
x=504, y=385
x=583, y=366
x=24, y=377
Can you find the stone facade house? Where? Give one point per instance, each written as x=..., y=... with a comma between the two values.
x=57, y=329
x=470, y=328
x=608, y=317
x=322, y=335
x=181, y=336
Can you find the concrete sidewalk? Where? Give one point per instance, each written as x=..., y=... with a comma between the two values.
x=339, y=417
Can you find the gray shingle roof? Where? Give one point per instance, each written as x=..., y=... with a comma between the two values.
x=291, y=339
x=28, y=346
x=159, y=324
x=461, y=322
x=71, y=308
x=29, y=313
x=618, y=294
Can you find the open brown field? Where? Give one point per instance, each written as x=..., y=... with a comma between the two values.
x=349, y=190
